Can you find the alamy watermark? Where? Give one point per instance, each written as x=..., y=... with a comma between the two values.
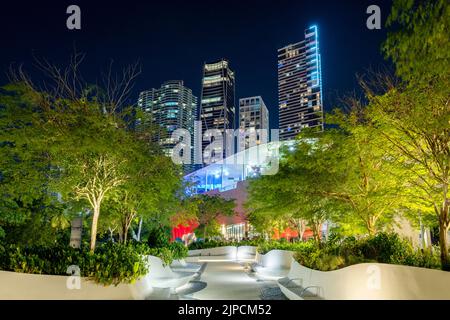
x=74, y=20
x=230, y=147
x=73, y=282
x=374, y=20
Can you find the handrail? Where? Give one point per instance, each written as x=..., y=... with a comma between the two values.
x=308, y=287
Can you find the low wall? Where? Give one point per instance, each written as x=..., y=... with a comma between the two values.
x=246, y=252
x=368, y=281
x=228, y=251
x=24, y=286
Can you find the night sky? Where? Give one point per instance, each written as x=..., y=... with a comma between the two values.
x=172, y=40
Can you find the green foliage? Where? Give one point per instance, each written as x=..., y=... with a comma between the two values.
x=209, y=209
x=418, y=42
x=305, y=247
x=213, y=244
x=111, y=264
x=381, y=248
x=159, y=245
x=158, y=237
x=56, y=150
x=319, y=260
x=164, y=253
x=414, y=116
x=179, y=250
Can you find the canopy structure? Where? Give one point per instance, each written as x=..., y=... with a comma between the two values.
x=224, y=175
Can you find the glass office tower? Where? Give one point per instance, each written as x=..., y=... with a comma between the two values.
x=217, y=106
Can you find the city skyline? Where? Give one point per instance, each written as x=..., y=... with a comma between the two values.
x=181, y=42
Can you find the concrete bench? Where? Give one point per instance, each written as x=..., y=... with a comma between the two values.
x=274, y=264
x=161, y=276
x=366, y=281
x=182, y=266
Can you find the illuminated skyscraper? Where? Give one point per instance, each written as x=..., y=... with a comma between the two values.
x=253, y=115
x=172, y=106
x=217, y=106
x=300, y=86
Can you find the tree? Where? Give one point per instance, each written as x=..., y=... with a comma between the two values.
x=88, y=142
x=209, y=209
x=373, y=182
x=152, y=180
x=291, y=198
x=26, y=199
x=414, y=117
x=99, y=177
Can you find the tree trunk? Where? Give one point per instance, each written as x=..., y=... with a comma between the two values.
x=443, y=229
x=125, y=237
x=125, y=233
x=94, y=226
x=139, y=230
x=370, y=225
x=316, y=233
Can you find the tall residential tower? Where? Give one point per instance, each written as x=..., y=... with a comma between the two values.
x=172, y=106
x=217, y=106
x=300, y=86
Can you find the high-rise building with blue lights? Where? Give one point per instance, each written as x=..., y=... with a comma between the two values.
x=300, y=86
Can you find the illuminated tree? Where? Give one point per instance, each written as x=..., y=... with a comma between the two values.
x=414, y=117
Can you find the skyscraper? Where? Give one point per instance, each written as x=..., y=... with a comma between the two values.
x=253, y=115
x=300, y=86
x=217, y=107
x=172, y=106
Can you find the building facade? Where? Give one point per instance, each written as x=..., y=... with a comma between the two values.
x=300, y=86
x=172, y=106
x=253, y=122
x=217, y=107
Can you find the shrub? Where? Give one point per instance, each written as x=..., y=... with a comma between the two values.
x=305, y=247
x=214, y=243
x=158, y=237
x=381, y=248
x=164, y=253
x=110, y=264
x=178, y=249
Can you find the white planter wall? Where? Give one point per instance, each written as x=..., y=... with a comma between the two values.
x=376, y=281
x=24, y=286
x=246, y=252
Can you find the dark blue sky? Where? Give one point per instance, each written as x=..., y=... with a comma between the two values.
x=172, y=39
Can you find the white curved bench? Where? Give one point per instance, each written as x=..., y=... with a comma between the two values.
x=161, y=276
x=274, y=264
x=295, y=287
x=182, y=266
